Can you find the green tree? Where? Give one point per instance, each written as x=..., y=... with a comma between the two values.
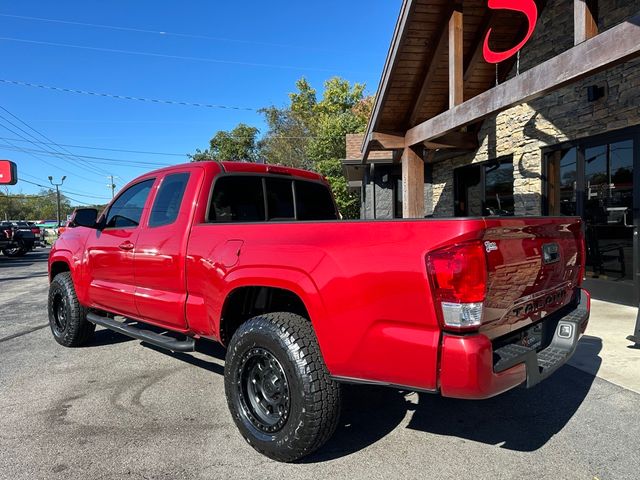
x=310, y=134
x=306, y=133
x=32, y=207
x=237, y=145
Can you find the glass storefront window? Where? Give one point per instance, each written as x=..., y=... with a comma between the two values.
x=562, y=181
x=484, y=189
x=606, y=194
x=499, y=190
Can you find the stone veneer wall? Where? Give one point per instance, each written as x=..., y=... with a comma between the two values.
x=557, y=117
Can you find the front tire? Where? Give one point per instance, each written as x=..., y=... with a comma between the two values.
x=278, y=388
x=67, y=317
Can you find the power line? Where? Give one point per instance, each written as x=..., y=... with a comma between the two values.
x=164, y=55
x=48, y=187
x=57, y=148
x=85, y=195
x=52, y=152
x=106, y=149
x=37, y=157
x=160, y=33
x=102, y=160
x=76, y=200
x=125, y=97
x=33, y=183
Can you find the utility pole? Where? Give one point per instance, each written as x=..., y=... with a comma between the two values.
x=112, y=186
x=57, y=185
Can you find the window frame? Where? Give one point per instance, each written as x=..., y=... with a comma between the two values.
x=629, y=133
x=105, y=214
x=263, y=177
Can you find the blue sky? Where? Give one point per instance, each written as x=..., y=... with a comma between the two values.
x=244, y=54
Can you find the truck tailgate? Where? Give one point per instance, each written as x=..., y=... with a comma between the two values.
x=534, y=265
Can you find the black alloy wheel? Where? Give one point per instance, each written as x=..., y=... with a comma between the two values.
x=59, y=311
x=263, y=390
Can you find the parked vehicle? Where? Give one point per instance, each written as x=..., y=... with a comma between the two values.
x=254, y=257
x=38, y=232
x=49, y=230
x=6, y=235
x=18, y=239
x=62, y=228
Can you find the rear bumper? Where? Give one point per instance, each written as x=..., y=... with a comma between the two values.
x=471, y=369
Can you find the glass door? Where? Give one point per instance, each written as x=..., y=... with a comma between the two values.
x=594, y=179
x=608, y=211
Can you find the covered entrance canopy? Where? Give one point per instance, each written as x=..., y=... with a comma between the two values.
x=437, y=86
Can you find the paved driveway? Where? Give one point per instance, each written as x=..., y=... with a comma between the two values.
x=116, y=409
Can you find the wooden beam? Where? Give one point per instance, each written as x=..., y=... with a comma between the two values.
x=585, y=20
x=412, y=184
x=456, y=95
x=457, y=140
x=618, y=44
x=432, y=64
x=385, y=141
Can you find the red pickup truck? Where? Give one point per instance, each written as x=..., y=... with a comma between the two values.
x=256, y=257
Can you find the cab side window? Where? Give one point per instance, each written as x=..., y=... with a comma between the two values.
x=126, y=211
x=167, y=204
x=237, y=199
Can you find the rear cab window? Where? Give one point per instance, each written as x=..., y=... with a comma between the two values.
x=168, y=201
x=260, y=198
x=280, y=205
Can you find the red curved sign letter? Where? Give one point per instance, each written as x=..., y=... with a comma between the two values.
x=529, y=8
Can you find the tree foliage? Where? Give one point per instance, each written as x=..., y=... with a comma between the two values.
x=237, y=145
x=306, y=133
x=41, y=206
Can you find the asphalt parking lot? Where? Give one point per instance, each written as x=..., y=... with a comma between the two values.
x=117, y=409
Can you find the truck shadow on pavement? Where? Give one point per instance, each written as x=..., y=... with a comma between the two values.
x=522, y=420
x=104, y=337
x=209, y=349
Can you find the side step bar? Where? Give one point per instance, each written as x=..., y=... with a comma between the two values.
x=148, y=336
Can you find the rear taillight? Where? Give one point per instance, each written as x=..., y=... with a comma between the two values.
x=458, y=277
x=35, y=231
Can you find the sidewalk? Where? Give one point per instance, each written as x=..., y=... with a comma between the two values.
x=605, y=351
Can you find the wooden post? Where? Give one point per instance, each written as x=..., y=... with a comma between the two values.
x=456, y=67
x=585, y=20
x=412, y=184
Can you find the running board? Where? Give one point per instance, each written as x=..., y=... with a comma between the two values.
x=148, y=336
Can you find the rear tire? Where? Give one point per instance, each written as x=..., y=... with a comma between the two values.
x=278, y=388
x=15, y=252
x=67, y=318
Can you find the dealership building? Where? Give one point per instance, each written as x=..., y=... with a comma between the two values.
x=531, y=110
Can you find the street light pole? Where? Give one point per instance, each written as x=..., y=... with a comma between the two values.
x=57, y=185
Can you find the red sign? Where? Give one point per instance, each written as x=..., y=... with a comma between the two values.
x=530, y=10
x=8, y=173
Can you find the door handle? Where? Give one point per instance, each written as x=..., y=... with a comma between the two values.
x=126, y=246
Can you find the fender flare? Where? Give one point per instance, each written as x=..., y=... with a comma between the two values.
x=296, y=281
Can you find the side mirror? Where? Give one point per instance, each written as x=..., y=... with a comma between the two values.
x=84, y=217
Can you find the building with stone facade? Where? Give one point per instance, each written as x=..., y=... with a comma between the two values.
x=551, y=130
